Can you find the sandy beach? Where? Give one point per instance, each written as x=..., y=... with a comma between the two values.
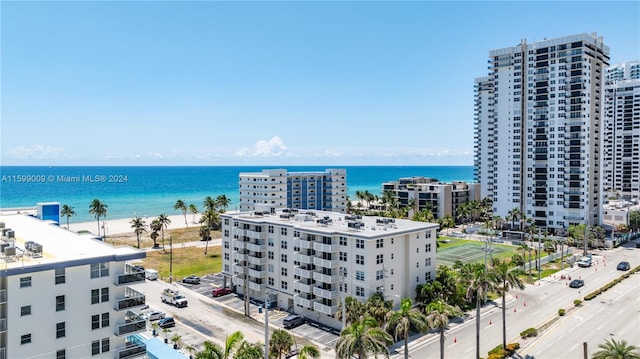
x=123, y=226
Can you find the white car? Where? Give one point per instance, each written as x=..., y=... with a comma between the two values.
x=154, y=315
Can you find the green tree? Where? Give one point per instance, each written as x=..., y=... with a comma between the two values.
x=280, y=343
x=309, y=352
x=438, y=314
x=249, y=351
x=139, y=227
x=164, y=222
x=446, y=222
x=354, y=309
x=403, y=319
x=479, y=280
x=193, y=210
x=210, y=351
x=616, y=350
x=377, y=307
x=67, y=211
x=181, y=206
x=155, y=227
x=506, y=279
x=98, y=209
x=232, y=343
x=223, y=201
x=361, y=339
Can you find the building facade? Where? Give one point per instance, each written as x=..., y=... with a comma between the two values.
x=621, y=140
x=427, y=193
x=64, y=295
x=277, y=188
x=308, y=261
x=539, y=130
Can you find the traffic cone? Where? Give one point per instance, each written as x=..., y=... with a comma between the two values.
x=489, y=321
x=525, y=304
x=596, y=269
x=514, y=309
x=566, y=283
x=516, y=296
x=455, y=340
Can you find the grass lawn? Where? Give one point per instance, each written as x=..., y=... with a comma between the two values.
x=179, y=235
x=186, y=261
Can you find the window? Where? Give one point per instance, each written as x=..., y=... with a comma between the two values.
x=283, y=285
x=270, y=255
x=105, y=345
x=359, y=292
x=96, y=344
x=105, y=319
x=283, y=244
x=25, y=339
x=226, y=244
x=427, y=247
x=95, y=322
x=60, y=330
x=343, y=241
x=283, y=231
x=427, y=276
x=60, y=276
x=270, y=229
x=283, y=258
x=380, y=259
x=99, y=270
x=379, y=274
x=26, y=310
x=417, y=250
x=359, y=243
x=59, y=303
x=25, y=282
x=379, y=243
x=427, y=235
x=359, y=275
x=427, y=262
x=283, y=271
x=271, y=281
x=61, y=354
x=343, y=256
x=359, y=259
x=99, y=295
x=270, y=242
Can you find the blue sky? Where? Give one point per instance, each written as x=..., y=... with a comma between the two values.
x=265, y=83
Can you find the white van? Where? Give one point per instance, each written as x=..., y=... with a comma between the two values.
x=151, y=274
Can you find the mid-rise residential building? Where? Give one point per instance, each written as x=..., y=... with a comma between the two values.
x=420, y=193
x=307, y=261
x=64, y=295
x=621, y=140
x=277, y=188
x=538, y=135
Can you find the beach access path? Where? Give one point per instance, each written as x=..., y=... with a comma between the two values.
x=123, y=225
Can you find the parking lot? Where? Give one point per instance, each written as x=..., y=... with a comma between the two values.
x=310, y=331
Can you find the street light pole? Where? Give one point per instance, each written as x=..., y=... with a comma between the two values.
x=170, y=259
x=266, y=324
x=344, y=295
x=539, y=255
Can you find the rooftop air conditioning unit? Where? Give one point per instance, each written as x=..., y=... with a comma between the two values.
x=10, y=251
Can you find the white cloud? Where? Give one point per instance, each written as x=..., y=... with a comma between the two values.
x=34, y=152
x=274, y=147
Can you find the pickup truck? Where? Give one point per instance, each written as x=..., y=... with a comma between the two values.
x=173, y=297
x=584, y=262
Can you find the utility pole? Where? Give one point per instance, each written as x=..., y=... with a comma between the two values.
x=586, y=234
x=584, y=350
x=539, y=254
x=344, y=295
x=266, y=323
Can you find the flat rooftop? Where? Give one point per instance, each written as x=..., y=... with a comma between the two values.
x=58, y=244
x=334, y=222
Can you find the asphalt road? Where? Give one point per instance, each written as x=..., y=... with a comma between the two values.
x=532, y=307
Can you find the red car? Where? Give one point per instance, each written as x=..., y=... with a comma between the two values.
x=219, y=292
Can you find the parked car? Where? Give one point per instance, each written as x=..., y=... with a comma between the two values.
x=219, y=292
x=167, y=322
x=576, y=283
x=624, y=266
x=192, y=279
x=292, y=321
x=153, y=315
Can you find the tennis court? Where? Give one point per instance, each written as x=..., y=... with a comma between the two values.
x=470, y=252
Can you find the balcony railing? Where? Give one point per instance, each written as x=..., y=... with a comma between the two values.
x=325, y=309
x=3, y=325
x=325, y=293
x=133, y=323
x=132, y=298
x=132, y=349
x=302, y=301
x=303, y=273
x=129, y=278
x=3, y=296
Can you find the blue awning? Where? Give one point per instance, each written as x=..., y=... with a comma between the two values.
x=157, y=349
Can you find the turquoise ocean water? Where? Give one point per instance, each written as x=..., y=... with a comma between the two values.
x=150, y=191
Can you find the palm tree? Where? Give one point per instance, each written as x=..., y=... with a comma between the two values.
x=67, y=211
x=181, y=206
x=223, y=201
x=479, y=280
x=361, y=339
x=412, y=204
x=616, y=350
x=164, y=222
x=309, y=352
x=155, y=227
x=280, y=343
x=400, y=322
x=249, y=351
x=193, y=210
x=98, y=209
x=139, y=227
x=507, y=279
x=232, y=343
x=209, y=203
x=210, y=351
x=377, y=307
x=438, y=314
x=354, y=310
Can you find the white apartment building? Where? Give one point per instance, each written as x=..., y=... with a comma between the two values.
x=621, y=140
x=64, y=295
x=309, y=260
x=277, y=188
x=539, y=130
x=442, y=198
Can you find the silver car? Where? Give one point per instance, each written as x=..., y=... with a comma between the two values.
x=154, y=315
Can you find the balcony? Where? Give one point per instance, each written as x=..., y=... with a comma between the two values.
x=3, y=296
x=133, y=323
x=3, y=325
x=303, y=258
x=302, y=272
x=123, y=279
x=302, y=287
x=132, y=298
x=325, y=293
x=256, y=247
x=325, y=309
x=256, y=235
x=301, y=300
x=328, y=248
x=259, y=261
x=240, y=244
x=326, y=263
x=302, y=244
x=323, y=278
x=258, y=287
x=256, y=273
x=134, y=348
